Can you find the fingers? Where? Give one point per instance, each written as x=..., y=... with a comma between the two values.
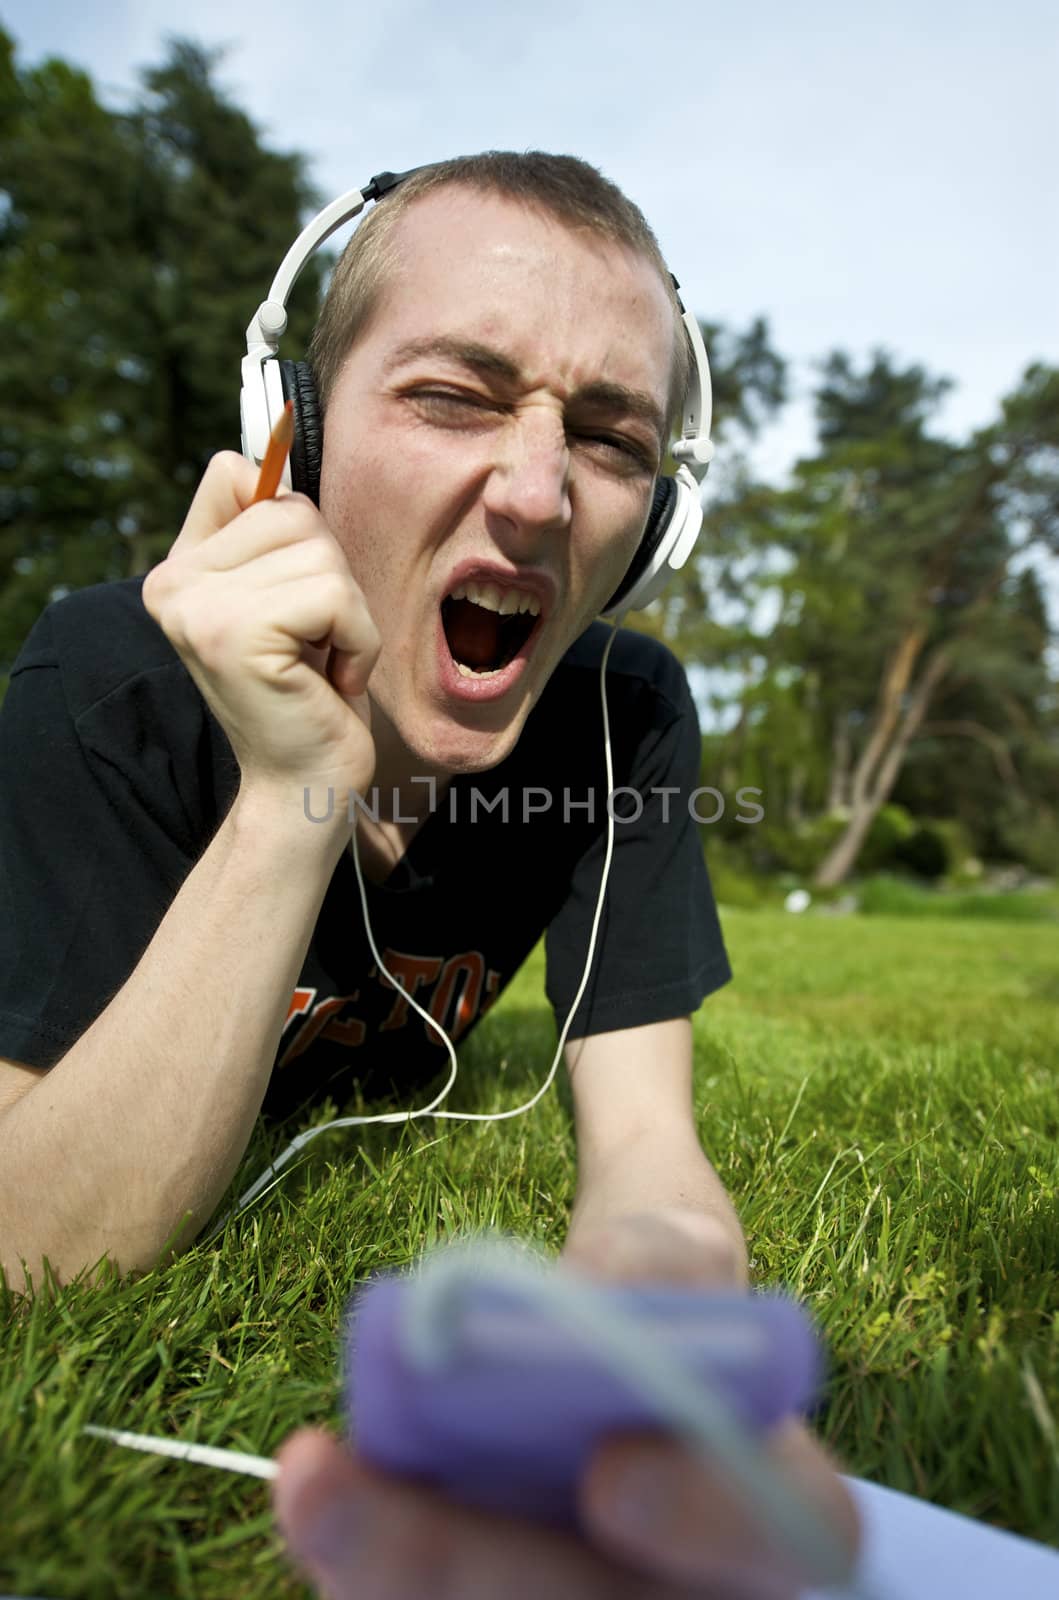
x=224, y=527
x=364, y=1536
x=271, y=525
x=648, y=1499
x=319, y=1500
x=226, y=490
x=305, y=590
x=259, y=602
x=270, y=544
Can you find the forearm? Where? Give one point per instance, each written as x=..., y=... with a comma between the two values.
x=132, y=1137
x=662, y=1173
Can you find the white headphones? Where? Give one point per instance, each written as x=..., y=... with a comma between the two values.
x=267, y=383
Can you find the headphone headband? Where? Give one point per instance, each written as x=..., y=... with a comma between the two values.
x=675, y=520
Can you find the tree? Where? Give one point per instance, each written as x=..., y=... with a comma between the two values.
x=988, y=754
x=942, y=605
x=908, y=630
x=134, y=248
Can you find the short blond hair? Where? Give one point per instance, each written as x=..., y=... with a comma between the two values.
x=563, y=187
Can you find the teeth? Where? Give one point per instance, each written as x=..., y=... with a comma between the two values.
x=506, y=602
x=469, y=672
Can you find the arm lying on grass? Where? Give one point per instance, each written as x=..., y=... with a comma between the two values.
x=130, y=1140
x=638, y=1151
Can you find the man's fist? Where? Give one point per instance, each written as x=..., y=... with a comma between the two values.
x=261, y=606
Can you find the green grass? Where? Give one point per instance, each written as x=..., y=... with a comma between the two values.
x=879, y=1094
x=901, y=897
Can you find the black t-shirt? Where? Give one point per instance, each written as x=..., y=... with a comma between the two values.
x=114, y=776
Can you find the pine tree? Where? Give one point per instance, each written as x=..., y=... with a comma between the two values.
x=134, y=248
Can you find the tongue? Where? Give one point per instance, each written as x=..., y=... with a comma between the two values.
x=473, y=634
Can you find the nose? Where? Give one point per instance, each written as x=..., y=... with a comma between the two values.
x=529, y=485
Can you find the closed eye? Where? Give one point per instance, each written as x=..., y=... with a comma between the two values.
x=446, y=399
x=621, y=446
x=622, y=451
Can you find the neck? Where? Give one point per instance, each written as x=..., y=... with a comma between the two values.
x=403, y=793
x=406, y=788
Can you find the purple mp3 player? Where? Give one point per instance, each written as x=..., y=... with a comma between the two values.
x=512, y=1403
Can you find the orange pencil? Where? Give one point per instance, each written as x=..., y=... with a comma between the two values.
x=279, y=444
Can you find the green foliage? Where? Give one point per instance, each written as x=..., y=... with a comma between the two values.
x=1032, y=839
x=888, y=896
x=801, y=848
x=958, y=843
x=890, y=830
x=796, y=849
x=924, y=852
x=932, y=849
x=748, y=376
x=134, y=248
x=734, y=888
x=892, y=544
x=734, y=882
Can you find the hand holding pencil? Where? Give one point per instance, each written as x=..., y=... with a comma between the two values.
x=255, y=590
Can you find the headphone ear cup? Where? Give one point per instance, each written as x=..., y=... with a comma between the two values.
x=307, y=450
x=661, y=514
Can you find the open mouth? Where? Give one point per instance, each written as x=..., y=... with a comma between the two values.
x=486, y=626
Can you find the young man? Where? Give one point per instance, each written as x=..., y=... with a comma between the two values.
x=499, y=362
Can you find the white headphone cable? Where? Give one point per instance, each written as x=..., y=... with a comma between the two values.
x=302, y=1139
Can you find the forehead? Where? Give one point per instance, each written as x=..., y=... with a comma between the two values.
x=569, y=306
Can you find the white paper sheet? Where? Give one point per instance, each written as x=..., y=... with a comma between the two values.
x=916, y=1551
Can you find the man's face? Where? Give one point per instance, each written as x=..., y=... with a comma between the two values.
x=495, y=431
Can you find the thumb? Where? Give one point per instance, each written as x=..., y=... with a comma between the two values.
x=653, y=1498
x=317, y=1498
x=225, y=490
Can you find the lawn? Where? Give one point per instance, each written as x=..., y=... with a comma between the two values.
x=879, y=1095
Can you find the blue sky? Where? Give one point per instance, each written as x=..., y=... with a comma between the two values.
x=860, y=178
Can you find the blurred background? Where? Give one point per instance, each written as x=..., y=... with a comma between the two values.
x=861, y=209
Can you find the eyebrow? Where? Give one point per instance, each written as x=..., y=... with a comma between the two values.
x=488, y=362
